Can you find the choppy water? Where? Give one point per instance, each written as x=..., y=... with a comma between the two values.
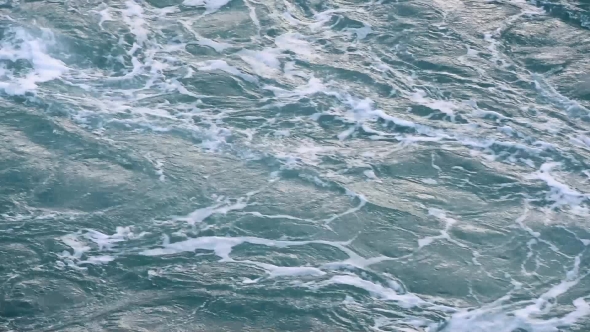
x=296, y=165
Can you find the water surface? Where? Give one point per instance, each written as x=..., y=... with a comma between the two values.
x=296, y=165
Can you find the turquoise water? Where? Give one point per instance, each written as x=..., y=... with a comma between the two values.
x=295, y=165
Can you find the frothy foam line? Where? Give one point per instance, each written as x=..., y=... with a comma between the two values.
x=222, y=207
x=560, y=193
x=499, y=317
x=18, y=44
x=211, y=6
x=223, y=246
x=212, y=65
x=405, y=300
x=134, y=18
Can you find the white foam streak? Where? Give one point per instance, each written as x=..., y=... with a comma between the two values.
x=213, y=65
x=274, y=271
x=107, y=242
x=323, y=18
x=496, y=317
x=362, y=202
x=217, y=46
x=221, y=246
x=83, y=244
x=361, y=33
x=22, y=46
x=295, y=43
x=264, y=63
x=560, y=193
x=133, y=17
x=572, y=107
x=444, y=106
x=201, y=214
x=407, y=300
x=444, y=234
x=105, y=15
x=210, y=6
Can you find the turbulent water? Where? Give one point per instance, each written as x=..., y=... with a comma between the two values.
x=295, y=165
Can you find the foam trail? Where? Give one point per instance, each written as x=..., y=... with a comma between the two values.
x=221, y=246
x=407, y=300
x=201, y=214
x=560, y=193
x=20, y=45
x=210, y=6
x=213, y=65
x=497, y=316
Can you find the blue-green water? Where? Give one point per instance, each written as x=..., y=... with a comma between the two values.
x=295, y=165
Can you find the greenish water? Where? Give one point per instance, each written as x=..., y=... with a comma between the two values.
x=296, y=165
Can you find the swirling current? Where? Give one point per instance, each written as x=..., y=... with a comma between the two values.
x=295, y=165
